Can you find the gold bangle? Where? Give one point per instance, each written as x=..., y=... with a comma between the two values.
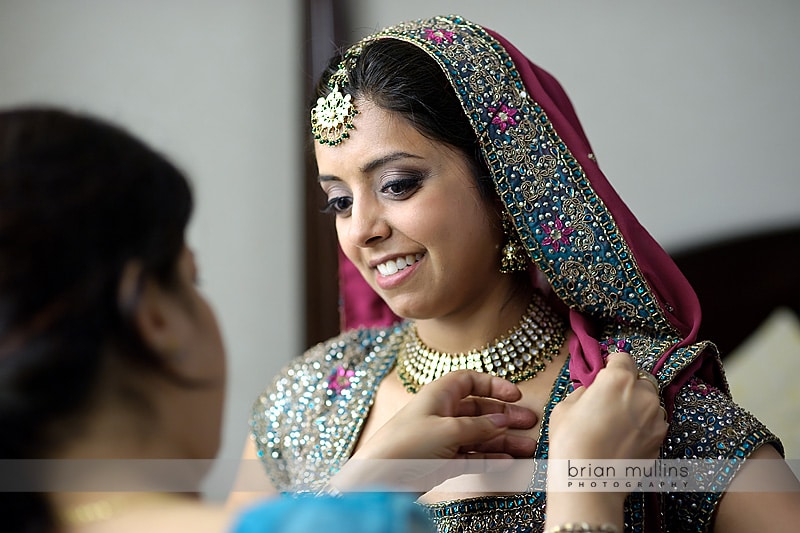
x=583, y=527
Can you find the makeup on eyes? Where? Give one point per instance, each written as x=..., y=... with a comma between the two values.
x=393, y=184
x=401, y=184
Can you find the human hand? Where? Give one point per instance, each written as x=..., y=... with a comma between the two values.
x=619, y=416
x=463, y=412
x=462, y=415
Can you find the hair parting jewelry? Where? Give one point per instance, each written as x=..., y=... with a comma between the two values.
x=332, y=117
x=519, y=355
x=514, y=258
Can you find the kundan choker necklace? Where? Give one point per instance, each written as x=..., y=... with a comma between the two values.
x=519, y=355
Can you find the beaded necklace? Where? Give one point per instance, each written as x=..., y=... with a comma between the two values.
x=517, y=356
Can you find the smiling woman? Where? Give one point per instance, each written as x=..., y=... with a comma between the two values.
x=468, y=203
x=394, y=182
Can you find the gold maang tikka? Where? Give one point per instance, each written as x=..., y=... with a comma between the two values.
x=332, y=117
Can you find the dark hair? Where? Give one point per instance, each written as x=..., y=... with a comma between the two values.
x=399, y=77
x=79, y=199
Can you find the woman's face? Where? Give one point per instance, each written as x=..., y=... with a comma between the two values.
x=201, y=360
x=410, y=216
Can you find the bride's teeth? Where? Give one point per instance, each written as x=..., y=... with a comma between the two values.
x=393, y=267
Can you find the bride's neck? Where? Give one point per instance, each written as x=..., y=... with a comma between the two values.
x=477, y=324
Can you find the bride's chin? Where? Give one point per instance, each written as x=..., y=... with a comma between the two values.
x=408, y=312
x=395, y=305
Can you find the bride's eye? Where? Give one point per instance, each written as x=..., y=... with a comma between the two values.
x=338, y=205
x=402, y=187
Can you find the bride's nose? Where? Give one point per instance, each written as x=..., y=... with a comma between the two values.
x=367, y=224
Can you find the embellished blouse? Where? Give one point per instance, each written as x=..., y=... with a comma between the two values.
x=306, y=424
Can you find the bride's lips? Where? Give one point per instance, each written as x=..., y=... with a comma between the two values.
x=393, y=271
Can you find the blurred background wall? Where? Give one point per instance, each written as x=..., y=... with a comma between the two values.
x=691, y=108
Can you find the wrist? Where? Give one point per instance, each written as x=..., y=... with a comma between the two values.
x=577, y=508
x=583, y=527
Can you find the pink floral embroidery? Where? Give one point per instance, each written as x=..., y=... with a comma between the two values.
x=438, y=36
x=339, y=380
x=557, y=234
x=612, y=345
x=503, y=117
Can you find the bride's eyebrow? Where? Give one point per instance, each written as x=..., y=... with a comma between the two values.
x=372, y=165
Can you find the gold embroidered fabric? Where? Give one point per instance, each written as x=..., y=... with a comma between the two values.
x=306, y=424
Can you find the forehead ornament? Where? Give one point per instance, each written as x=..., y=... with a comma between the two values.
x=332, y=117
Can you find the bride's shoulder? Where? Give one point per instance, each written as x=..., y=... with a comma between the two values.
x=364, y=350
x=351, y=347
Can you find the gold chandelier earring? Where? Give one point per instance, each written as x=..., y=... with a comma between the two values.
x=513, y=257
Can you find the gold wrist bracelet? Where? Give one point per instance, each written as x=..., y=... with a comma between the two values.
x=583, y=527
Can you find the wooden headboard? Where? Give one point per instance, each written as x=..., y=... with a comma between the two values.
x=741, y=280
